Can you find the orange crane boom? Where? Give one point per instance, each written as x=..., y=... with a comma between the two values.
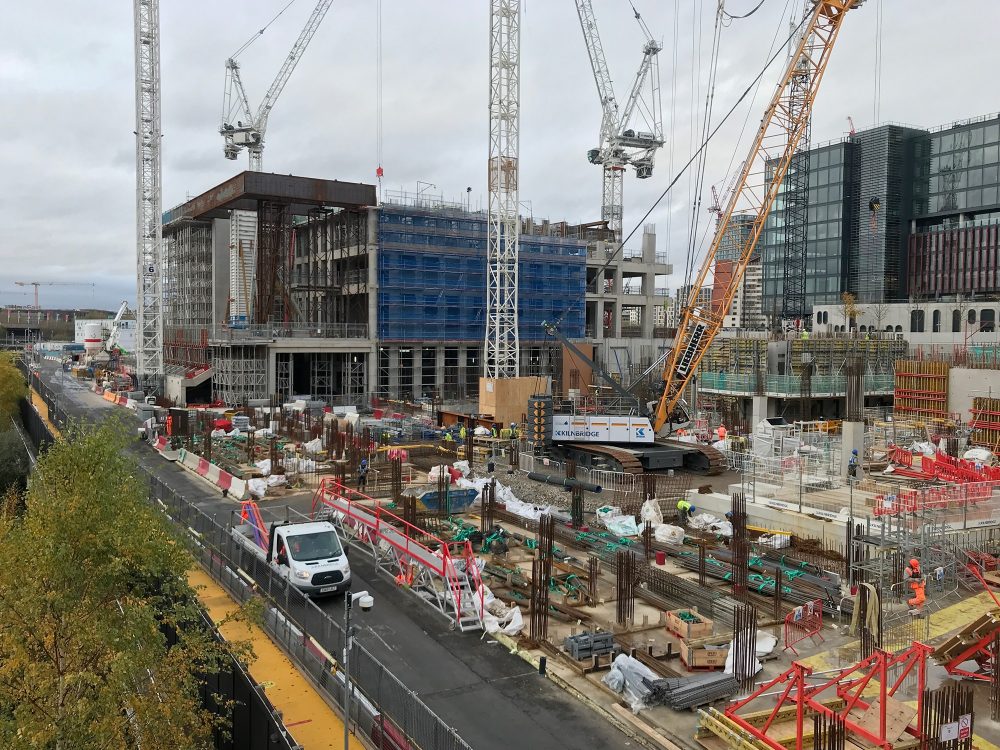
x=781, y=129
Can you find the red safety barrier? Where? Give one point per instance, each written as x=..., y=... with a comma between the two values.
x=901, y=457
x=804, y=622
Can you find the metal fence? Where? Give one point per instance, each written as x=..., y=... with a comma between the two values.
x=309, y=635
x=383, y=706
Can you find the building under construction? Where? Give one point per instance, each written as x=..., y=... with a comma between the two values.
x=283, y=285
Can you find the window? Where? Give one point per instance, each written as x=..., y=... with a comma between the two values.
x=863, y=329
x=888, y=328
x=936, y=321
x=972, y=316
x=916, y=321
x=987, y=320
x=956, y=321
x=899, y=329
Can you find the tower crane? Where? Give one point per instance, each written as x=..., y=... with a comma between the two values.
x=781, y=130
x=242, y=128
x=501, y=350
x=148, y=195
x=620, y=143
x=37, y=284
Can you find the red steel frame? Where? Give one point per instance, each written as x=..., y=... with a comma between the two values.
x=411, y=552
x=808, y=696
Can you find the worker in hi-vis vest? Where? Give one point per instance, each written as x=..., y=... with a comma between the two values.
x=684, y=510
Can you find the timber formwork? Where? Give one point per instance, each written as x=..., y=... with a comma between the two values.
x=986, y=422
x=921, y=389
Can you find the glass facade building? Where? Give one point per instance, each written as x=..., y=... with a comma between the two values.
x=833, y=194
x=897, y=212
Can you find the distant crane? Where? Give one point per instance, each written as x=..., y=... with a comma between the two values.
x=620, y=144
x=850, y=121
x=37, y=284
x=248, y=131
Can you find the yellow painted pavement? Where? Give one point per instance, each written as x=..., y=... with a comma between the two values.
x=43, y=411
x=312, y=722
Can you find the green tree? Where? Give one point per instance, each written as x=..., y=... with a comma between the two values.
x=12, y=388
x=91, y=580
x=14, y=465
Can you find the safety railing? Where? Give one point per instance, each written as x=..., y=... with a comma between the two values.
x=396, y=549
x=386, y=712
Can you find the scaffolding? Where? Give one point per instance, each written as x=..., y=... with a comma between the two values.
x=240, y=373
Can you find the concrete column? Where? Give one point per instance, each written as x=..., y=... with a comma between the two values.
x=853, y=437
x=758, y=411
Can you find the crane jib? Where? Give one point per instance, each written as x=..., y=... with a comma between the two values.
x=691, y=350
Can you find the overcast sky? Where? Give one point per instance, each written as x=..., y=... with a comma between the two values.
x=67, y=155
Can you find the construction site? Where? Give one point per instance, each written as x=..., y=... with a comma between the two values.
x=731, y=523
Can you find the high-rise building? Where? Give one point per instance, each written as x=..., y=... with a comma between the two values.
x=897, y=212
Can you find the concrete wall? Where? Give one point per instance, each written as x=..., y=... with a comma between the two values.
x=898, y=316
x=965, y=384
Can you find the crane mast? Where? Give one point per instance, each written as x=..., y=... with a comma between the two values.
x=781, y=130
x=620, y=145
x=501, y=353
x=148, y=189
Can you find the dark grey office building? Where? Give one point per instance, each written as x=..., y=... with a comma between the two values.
x=896, y=212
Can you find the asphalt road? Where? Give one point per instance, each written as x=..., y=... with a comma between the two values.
x=495, y=700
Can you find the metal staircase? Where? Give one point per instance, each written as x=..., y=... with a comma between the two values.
x=443, y=574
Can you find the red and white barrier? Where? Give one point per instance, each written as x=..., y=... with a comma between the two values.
x=236, y=488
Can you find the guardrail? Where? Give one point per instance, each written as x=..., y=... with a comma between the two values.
x=822, y=385
x=310, y=636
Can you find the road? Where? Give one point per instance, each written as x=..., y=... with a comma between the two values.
x=494, y=699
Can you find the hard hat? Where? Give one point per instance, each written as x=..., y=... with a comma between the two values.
x=691, y=509
x=914, y=562
x=854, y=452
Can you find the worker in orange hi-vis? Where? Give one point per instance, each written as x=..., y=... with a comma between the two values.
x=722, y=432
x=915, y=577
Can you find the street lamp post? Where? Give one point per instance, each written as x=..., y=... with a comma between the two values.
x=366, y=602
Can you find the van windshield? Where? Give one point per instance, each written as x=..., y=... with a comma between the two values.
x=319, y=545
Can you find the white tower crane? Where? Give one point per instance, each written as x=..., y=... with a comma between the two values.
x=240, y=127
x=620, y=143
x=148, y=198
x=501, y=354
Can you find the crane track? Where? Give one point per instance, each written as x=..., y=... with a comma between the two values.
x=712, y=463
x=629, y=463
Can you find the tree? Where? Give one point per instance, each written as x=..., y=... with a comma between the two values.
x=14, y=465
x=849, y=303
x=12, y=388
x=91, y=585
x=879, y=312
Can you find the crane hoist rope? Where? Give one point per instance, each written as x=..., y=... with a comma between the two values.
x=683, y=170
x=781, y=129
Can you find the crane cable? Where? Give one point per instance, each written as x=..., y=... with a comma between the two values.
x=699, y=179
x=878, y=62
x=260, y=33
x=378, y=97
x=745, y=93
x=730, y=17
x=746, y=121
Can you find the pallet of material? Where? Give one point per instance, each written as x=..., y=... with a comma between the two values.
x=688, y=624
x=705, y=653
x=970, y=634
